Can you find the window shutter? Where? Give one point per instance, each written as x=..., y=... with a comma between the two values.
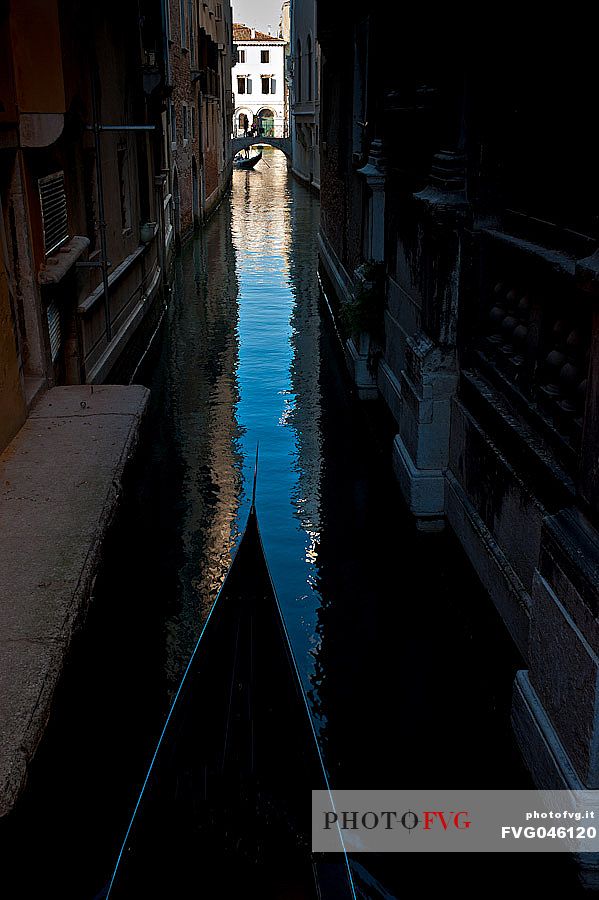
x=53, y=201
x=53, y=316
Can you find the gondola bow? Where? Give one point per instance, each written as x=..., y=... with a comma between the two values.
x=225, y=810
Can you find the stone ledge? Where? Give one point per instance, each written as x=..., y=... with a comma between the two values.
x=62, y=261
x=496, y=574
x=547, y=761
x=60, y=483
x=423, y=489
x=539, y=744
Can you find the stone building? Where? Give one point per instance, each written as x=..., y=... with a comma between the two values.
x=82, y=190
x=285, y=35
x=460, y=246
x=259, y=82
x=305, y=93
x=200, y=44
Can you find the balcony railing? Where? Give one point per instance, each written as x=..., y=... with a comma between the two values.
x=534, y=333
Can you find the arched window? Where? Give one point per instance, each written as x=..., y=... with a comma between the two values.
x=309, y=55
x=298, y=71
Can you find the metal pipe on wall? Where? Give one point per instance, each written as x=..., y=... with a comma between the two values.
x=96, y=128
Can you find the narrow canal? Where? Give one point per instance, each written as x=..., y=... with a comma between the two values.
x=407, y=666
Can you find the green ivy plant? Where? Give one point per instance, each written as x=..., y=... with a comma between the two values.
x=365, y=312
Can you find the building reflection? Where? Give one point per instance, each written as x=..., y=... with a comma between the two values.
x=306, y=414
x=274, y=232
x=201, y=394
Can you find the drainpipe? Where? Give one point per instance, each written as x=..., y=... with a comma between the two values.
x=165, y=31
x=101, y=210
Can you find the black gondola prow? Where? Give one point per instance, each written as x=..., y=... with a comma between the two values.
x=253, y=506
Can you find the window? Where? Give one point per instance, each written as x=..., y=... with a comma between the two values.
x=309, y=55
x=53, y=201
x=190, y=26
x=124, y=186
x=192, y=122
x=244, y=85
x=298, y=72
x=173, y=126
x=219, y=12
x=360, y=92
x=185, y=123
x=265, y=84
x=241, y=56
x=265, y=56
x=183, y=18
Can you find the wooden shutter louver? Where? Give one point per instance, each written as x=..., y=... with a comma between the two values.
x=54, y=329
x=53, y=201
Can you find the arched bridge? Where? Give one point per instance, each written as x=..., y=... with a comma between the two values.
x=284, y=144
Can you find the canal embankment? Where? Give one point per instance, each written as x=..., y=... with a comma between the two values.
x=60, y=484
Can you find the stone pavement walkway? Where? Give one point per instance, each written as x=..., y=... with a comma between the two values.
x=60, y=482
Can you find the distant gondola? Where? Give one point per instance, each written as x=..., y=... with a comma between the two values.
x=248, y=163
x=225, y=810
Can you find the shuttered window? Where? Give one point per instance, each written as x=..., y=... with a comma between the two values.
x=53, y=315
x=53, y=201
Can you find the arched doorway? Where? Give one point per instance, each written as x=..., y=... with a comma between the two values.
x=243, y=115
x=266, y=123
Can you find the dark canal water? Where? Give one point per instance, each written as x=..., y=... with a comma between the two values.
x=407, y=666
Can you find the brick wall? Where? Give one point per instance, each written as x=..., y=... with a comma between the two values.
x=184, y=94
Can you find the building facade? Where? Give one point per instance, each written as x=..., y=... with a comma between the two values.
x=200, y=41
x=82, y=191
x=459, y=244
x=258, y=83
x=305, y=93
x=285, y=35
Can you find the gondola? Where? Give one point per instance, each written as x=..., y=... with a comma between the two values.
x=249, y=163
x=225, y=809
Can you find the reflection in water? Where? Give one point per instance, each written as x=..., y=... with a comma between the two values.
x=274, y=233
x=240, y=366
x=198, y=389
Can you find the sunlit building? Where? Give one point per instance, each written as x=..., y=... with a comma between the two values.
x=258, y=83
x=305, y=93
x=199, y=109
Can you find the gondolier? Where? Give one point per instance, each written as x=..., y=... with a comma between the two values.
x=249, y=162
